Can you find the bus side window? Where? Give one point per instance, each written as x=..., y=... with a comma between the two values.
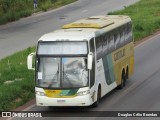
x=116, y=39
x=130, y=31
x=126, y=34
x=105, y=45
x=99, y=47
x=111, y=42
x=122, y=35
x=92, y=72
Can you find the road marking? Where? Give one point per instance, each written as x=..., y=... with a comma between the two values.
x=124, y=93
x=84, y=11
x=26, y=109
x=128, y=90
x=147, y=40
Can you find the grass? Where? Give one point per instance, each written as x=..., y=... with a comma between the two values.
x=14, y=68
x=145, y=16
x=11, y=10
x=146, y=20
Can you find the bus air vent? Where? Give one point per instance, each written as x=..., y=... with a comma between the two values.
x=89, y=23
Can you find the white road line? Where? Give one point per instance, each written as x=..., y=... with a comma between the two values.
x=158, y=35
x=124, y=93
x=26, y=109
x=84, y=11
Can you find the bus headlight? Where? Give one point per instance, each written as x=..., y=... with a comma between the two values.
x=40, y=93
x=83, y=93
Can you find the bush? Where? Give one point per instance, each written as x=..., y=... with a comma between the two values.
x=11, y=10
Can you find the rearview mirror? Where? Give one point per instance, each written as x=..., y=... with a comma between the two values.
x=30, y=61
x=90, y=60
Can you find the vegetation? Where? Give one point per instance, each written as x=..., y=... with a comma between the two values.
x=11, y=10
x=145, y=16
x=16, y=81
x=146, y=19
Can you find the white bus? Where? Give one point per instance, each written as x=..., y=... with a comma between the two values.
x=80, y=63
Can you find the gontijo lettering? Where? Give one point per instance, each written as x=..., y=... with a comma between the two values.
x=118, y=55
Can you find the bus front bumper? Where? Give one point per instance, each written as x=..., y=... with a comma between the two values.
x=84, y=100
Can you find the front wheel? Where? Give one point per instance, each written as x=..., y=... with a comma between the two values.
x=98, y=98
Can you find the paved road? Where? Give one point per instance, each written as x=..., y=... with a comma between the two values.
x=24, y=33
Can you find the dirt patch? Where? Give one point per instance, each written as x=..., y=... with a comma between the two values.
x=18, y=100
x=29, y=103
x=8, y=82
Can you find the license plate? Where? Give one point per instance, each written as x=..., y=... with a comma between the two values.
x=61, y=101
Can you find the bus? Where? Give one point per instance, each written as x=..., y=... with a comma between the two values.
x=83, y=61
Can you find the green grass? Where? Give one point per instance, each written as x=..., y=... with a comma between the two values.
x=145, y=16
x=11, y=10
x=14, y=68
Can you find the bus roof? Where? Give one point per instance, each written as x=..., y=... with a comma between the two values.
x=98, y=22
x=86, y=29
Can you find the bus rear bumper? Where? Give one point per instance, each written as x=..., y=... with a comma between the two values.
x=75, y=101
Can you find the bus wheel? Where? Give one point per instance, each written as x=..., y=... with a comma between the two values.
x=123, y=81
x=98, y=98
x=127, y=76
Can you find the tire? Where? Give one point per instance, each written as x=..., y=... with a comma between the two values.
x=123, y=81
x=127, y=76
x=98, y=98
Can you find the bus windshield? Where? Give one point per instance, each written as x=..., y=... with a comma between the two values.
x=62, y=48
x=62, y=72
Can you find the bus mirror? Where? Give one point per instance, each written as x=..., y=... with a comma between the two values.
x=90, y=60
x=30, y=61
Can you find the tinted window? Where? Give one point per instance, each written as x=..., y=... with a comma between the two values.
x=122, y=41
x=99, y=47
x=59, y=48
x=116, y=39
x=105, y=44
x=92, y=72
x=111, y=42
x=128, y=32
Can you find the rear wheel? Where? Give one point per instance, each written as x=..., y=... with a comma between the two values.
x=123, y=81
x=127, y=76
x=98, y=97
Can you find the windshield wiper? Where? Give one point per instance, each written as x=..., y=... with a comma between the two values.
x=54, y=77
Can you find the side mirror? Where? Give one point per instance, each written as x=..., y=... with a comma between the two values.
x=30, y=61
x=90, y=60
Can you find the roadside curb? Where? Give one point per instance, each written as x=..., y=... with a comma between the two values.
x=26, y=106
